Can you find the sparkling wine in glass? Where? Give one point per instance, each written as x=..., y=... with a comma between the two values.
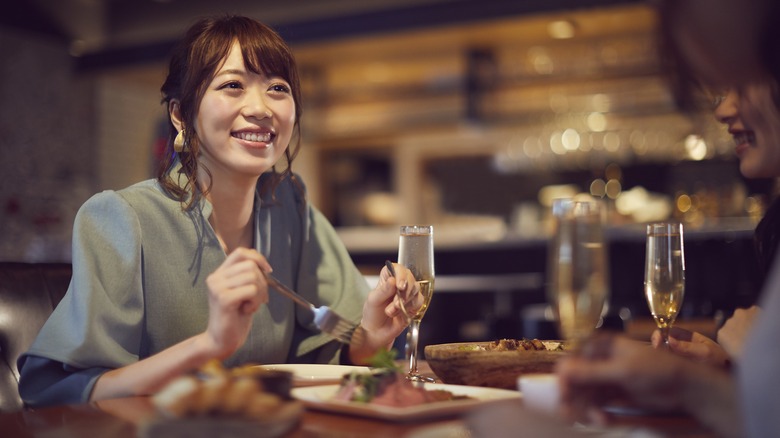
x=665, y=274
x=415, y=252
x=578, y=286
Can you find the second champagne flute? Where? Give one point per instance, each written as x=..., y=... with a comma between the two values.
x=415, y=252
x=578, y=288
x=665, y=274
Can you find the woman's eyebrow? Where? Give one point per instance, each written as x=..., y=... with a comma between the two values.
x=231, y=71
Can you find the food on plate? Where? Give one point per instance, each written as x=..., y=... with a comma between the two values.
x=523, y=344
x=386, y=385
x=215, y=390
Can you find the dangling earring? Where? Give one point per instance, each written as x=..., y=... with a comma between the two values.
x=178, y=142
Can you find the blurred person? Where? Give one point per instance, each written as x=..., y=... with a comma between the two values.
x=169, y=273
x=732, y=45
x=758, y=158
x=735, y=331
x=613, y=369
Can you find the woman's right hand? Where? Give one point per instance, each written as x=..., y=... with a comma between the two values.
x=236, y=290
x=693, y=345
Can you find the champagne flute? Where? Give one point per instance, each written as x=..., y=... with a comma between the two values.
x=665, y=274
x=415, y=252
x=578, y=287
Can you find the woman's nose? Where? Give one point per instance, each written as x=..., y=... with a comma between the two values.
x=726, y=108
x=256, y=106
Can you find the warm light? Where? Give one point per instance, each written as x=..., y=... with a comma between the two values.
x=598, y=188
x=611, y=141
x=540, y=60
x=556, y=145
x=597, y=122
x=696, y=147
x=684, y=203
x=570, y=139
x=613, y=171
x=561, y=29
x=613, y=188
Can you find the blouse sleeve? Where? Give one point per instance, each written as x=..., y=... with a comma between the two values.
x=98, y=324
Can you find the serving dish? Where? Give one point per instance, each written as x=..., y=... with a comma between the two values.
x=470, y=363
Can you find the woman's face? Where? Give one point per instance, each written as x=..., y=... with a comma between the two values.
x=245, y=121
x=753, y=120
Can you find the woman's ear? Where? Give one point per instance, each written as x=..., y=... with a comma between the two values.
x=174, y=110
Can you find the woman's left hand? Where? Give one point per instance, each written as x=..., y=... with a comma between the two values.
x=693, y=345
x=382, y=320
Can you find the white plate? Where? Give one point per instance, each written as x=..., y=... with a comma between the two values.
x=321, y=398
x=316, y=374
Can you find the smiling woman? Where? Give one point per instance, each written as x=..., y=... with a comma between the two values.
x=169, y=274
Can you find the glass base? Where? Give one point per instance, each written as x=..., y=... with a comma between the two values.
x=420, y=378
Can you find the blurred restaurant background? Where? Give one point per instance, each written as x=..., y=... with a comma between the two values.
x=468, y=115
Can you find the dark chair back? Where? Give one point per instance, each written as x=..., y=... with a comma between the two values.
x=29, y=292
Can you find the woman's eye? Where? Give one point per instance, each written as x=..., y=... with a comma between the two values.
x=231, y=85
x=280, y=88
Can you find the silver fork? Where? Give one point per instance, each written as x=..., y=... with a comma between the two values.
x=328, y=321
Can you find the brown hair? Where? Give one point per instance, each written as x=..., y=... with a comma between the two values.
x=193, y=64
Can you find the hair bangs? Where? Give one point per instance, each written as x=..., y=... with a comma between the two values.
x=266, y=53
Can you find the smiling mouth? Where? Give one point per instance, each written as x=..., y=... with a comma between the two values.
x=745, y=137
x=264, y=137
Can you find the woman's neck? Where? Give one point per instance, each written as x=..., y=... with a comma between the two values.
x=232, y=208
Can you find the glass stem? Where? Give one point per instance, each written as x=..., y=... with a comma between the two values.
x=411, y=345
x=665, y=336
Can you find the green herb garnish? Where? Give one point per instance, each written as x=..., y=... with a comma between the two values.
x=384, y=359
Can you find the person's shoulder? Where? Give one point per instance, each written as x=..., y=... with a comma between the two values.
x=137, y=195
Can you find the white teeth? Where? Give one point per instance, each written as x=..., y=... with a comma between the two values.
x=744, y=137
x=254, y=136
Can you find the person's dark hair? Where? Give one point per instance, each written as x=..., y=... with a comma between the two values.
x=685, y=87
x=193, y=64
x=688, y=89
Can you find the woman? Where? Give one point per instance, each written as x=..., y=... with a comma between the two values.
x=614, y=369
x=169, y=273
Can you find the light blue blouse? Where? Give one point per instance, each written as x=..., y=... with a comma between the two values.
x=139, y=269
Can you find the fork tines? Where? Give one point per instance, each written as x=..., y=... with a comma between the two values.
x=336, y=326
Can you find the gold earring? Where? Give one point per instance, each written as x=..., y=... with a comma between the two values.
x=178, y=142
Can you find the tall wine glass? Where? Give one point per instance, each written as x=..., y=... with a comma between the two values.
x=665, y=274
x=415, y=252
x=578, y=286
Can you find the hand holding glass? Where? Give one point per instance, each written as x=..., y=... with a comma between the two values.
x=415, y=252
x=665, y=274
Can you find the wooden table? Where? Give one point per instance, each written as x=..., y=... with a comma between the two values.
x=123, y=418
